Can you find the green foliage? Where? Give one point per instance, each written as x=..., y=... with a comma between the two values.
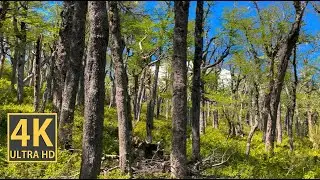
x=6, y=94
x=68, y=166
x=302, y=163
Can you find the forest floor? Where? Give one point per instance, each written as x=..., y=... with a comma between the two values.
x=302, y=163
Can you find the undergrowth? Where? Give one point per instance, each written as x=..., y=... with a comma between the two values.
x=303, y=162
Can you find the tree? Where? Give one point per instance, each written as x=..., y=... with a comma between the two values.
x=121, y=82
x=151, y=104
x=72, y=75
x=63, y=54
x=179, y=99
x=196, y=86
x=281, y=55
x=293, y=96
x=36, y=69
x=22, y=53
x=3, y=13
x=47, y=95
x=94, y=90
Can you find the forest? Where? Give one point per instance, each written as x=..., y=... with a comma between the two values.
x=165, y=89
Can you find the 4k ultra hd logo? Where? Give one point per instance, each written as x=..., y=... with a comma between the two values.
x=32, y=137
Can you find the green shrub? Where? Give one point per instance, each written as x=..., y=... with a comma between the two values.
x=6, y=94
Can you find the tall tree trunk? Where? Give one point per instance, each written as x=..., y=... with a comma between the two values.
x=167, y=108
x=43, y=71
x=30, y=69
x=36, y=72
x=3, y=54
x=22, y=53
x=94, y=88
x=113, y=86
x=286, y=124
x=255, y=105
x=129, y=115
x=47, y=96
x=159, y=109
x=14, y=65
x=4, y=10
x=202, y=117
x=117, y=47
x=279, y=125
x=113, y=93
x=151, y=104
x=293, y=98
x=140, y=102
x=179, y=99
x=141, y=92
x=215, y=119
x=21, y=62
x=63, y=55
x=72, y=76
x=135, y=95
x=80, y=94
x=290, y=115
x=275, y=84
x=310, y=125
x=16, y=47
x=240, y=115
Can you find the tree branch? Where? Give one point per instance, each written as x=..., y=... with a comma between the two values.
x=225, y=53
x=315, y=7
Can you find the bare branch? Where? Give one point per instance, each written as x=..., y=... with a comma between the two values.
x=27, y=78
x=205, y=52
x=258, y=10
x=315, y=7
x=225, y=53
x=140, y=43
x=128, y=10
x=160, y=57
x=150, y=54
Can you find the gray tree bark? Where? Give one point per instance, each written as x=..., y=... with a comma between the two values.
x=293, y=98
x=279, y=125
x=63, y=55
x=117, y=47
x=94, y=88
x=4, y=6
x=275, y=84
x=196, y=86
x=159, y=106
x=179, y=99
x=255, y=115
x=215, y=119
x=36, y=72
x=3, y=54
x=14, y=65
x=151, y=104
x=113, y=87
x=22, y=55
x=72, y=76
x=202, y=117
x=80, y=94
x=15, y=59
x=141, y=92
x=135, y=94
x=30, y=69
x=47, y=95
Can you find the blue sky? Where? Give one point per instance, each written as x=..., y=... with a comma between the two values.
x=311, y=18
